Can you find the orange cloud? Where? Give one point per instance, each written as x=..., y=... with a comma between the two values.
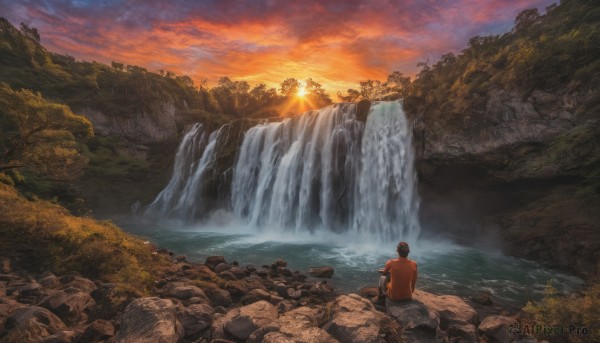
x=336, y=42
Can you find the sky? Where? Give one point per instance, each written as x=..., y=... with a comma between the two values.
x=337, y=43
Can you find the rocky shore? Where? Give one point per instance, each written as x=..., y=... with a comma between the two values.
x=225, y=302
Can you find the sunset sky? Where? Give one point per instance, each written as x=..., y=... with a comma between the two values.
x=337, y=43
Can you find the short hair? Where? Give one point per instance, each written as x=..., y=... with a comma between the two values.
x=403, y=249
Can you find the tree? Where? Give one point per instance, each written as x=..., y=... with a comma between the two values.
x=353, y=95
x=40, y=136
x=117, y=66
x=397, y=85
x=30, y=32
x=289, y=87
x=526, y=19
x=316, y=93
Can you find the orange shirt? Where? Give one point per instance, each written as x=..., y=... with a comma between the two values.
x=403, y=277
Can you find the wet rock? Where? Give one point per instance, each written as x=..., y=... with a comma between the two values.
x=362, y=110
x=70, y=305
x=497, y=328
x=255, y=295
x=284, y=271
x=241, y=322
x=321, y=272
x=213, y=261
x=97, y=331
x=278, y=263
x=250, y=268
x=195, y=318
x=355, y=319
x=150, y=320
x=483, y=298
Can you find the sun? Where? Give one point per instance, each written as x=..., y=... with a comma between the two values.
x=301, y=92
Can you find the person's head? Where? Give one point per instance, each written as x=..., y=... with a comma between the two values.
x=403, y=249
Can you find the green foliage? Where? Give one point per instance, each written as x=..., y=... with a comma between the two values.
x=581, y=311
x=63, y=243
x=40, y=136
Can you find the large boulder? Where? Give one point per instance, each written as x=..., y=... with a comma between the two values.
x=241, y=322
x=195, y=318
x=31, y=325
x=185, y=292
x=296, y=326
x=354, y=319
x=70, y=305
x=413, y=315
x=451, y=309
x=150, y=320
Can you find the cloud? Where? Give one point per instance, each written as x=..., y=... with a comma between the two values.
x=337, y=42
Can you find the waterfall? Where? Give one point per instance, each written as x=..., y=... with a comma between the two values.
x=180, y=196
x=327, y=171
x=321, y=171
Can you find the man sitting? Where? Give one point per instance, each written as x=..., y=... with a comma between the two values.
x=399, y=277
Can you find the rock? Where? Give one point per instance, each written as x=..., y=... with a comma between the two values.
x=369, y=292
x=221, y=267
x=67, y=336
x=220, y=297
x=451, y=309
x=80, y=283
x=255, y=284
x=281, y=290
x=483, y=298
x=497, y=328
x=355, y=319
x=238, y=272
x=362, y=110
x=299, y=326
x=31, y=325
x=97, y=331
x=195, y=318
x=49, y=280
x=34, y=314
x=284, y=271
x=322, y=272
x=213, y=261
x=186, y=292
x=5, y=265
x=284, y=306
x=227, y=275
x=413, y=314
x=278, y=263
x=70, y=305
x=150, y=320
x=236, y=288
x=241, y=322
x=250, y=268
x=255, y=295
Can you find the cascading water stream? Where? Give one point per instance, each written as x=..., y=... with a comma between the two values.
x=327, y=171
x=322, y=171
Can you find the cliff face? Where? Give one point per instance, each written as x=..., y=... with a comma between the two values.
x=154, y=125
x=520, y=173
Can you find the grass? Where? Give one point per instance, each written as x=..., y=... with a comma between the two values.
x=42, y=236
x=581, y=311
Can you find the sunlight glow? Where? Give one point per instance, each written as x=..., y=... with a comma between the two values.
x=301, y=92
